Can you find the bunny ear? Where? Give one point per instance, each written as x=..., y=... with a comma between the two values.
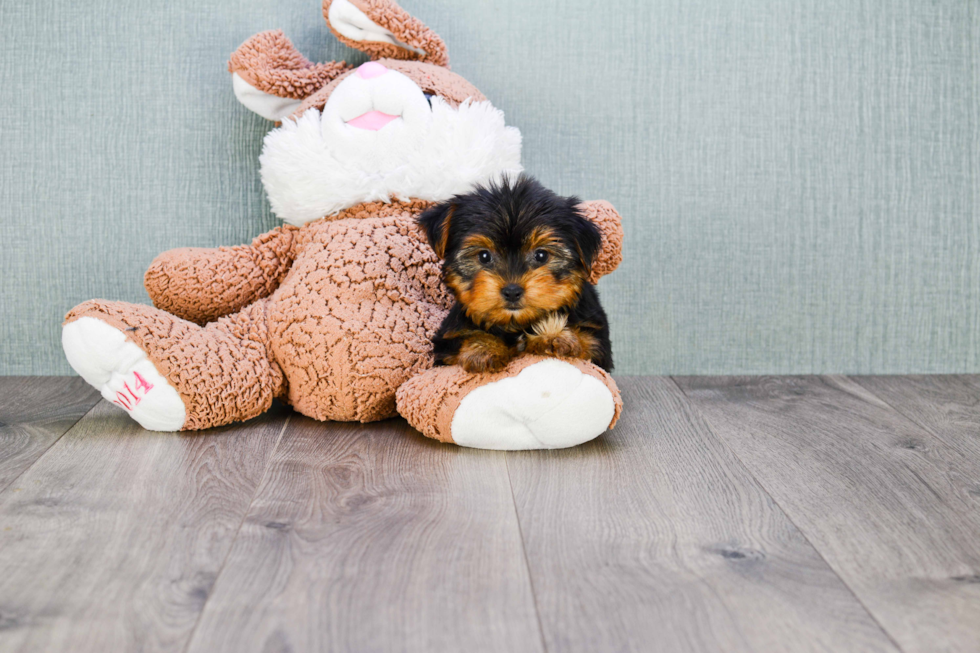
x=384, y=30
x=272, y=78
x=605, y=217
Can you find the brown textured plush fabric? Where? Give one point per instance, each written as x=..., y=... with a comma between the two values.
x=451, y=87
x=381, y=210
x=604, y=216
x=223, y=372
x=429, y=401
x=353, y=319
x=202, y=285
x=269, y=62
x=405, y=27
x=342, y=314
x=431, y=79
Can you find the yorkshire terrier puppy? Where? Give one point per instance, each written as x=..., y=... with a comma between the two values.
x=517, y=257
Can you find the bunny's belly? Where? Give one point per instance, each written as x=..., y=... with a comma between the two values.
x=354, y=319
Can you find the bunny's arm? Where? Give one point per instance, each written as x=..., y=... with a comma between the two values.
x=602, y=214
x=201, y=285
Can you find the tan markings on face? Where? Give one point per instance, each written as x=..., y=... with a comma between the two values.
x=444, y=233
x=547, y=287
x=546, y=293
x=483, y=301
x=541, y=238
x=474, y=243
x=561, y=261
x=461, y=275
x=455, y=282
x=543, y=293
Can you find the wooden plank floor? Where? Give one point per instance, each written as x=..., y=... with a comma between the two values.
x=722, y=514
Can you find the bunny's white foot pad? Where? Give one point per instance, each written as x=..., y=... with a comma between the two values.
x=548, y=405
x=120, y=370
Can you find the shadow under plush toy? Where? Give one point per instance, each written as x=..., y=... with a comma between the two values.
x=334, y=312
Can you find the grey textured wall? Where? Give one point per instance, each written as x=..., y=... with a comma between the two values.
x=798, y=178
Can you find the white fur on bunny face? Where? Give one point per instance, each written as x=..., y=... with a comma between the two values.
x=318, y=164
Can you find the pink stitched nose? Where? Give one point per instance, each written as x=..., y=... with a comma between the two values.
x=371, y=69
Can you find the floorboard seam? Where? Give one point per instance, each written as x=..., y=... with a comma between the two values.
x=871, y=615
x=904, y=415
x=527, y=564
x=53, y=442
x=245, y=513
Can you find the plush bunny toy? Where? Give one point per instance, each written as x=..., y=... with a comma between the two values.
x=333, y=312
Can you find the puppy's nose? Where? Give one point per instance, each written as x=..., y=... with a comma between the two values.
x=371, y=69
x=512, y=292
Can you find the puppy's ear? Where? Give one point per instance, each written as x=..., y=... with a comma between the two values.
x=588, y=238
x=436, y=220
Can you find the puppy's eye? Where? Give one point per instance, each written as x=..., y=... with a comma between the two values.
x=428, y=98
x=541, y=256
x=485, y=257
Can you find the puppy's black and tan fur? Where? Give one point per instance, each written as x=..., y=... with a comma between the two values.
x=517, y=258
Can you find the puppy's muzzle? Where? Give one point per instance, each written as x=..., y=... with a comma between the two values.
x=512, y=293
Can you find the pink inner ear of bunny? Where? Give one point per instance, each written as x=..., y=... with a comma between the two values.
x=602, y=214
x=403, y=26
x=269, y=62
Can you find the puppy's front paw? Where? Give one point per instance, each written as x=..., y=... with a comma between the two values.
x=564, y=345
x=552, y=336
x=483, y=353
x=483, y=361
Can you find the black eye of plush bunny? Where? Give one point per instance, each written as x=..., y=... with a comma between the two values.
x=485, y=257
x=541, y=256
